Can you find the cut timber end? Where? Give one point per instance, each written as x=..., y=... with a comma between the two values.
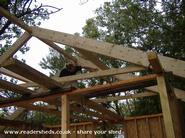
x=30, y=73
x=154, y=62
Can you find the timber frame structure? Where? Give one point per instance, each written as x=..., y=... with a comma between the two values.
x=153, y=84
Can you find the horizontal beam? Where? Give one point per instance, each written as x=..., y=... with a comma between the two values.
x=112, y=50
x=17, y=123
x=130, y=96
x=100, y=108
x=14, y=19
x=41, y=109
x=103, y=73
x=30, y=73
x=98, y=88
x=180, y=94
x=14, y=88
x=16, y=114
x=12, y=74
x=54, y=111
x=87, y=112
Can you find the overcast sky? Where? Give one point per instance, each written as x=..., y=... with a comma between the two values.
x=70, y=19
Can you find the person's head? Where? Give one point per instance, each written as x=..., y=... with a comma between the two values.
x=70, y=67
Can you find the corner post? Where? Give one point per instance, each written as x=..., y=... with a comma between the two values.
x=65, y=120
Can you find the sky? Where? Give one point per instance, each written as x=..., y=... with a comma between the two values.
x=70, y=19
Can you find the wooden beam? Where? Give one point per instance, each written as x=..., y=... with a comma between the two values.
x=131, y=96
x=13, y=116
x=115, y=51
x=154, y=62
x=15, y=47
x=60, y=50
x=100, y=108
x=93, y=57
x=168, y=115
x=12, y=74
x=76, y=60
x=65, y=113
x=103, y=73
x=71, y=125
x=41, y=109
x=88, y=112
x=126, y=84
x=180, y=94
x=14, y=88
x=28, y=72
x=14, y=19
x=17, y=123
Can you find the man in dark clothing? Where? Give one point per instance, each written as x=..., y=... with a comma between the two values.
x=70, y=70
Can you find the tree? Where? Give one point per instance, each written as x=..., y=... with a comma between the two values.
x=31, y=12
x=148, y=25
x=156, y=25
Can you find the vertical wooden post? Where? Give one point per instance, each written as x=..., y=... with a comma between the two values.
x=65, y=115
x=169, y=109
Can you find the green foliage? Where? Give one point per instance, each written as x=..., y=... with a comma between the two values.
x=54, y=62
x=31, y=12
x=156, y=25
x=148, y=25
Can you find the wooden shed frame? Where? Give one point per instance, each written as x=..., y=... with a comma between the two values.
x=153, y=84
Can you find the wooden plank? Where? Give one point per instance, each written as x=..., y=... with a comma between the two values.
x=77, y=60
x=14, y=19
x=131, y=129
x=143, y=131
x=115, y=51
x=71, y=125
x=87, y=112
x=16, y=123
x=15, y=47
x=98, y=107
x=180, y=94
x=12, y=74
x=143, y=116
x=60, y=50
x=14, y=88
x=93, y=57
x=30, y=73
x=46, y=109
x=17, y=113
x=131, y=96
x=128, y=84
x=154, y=62
x=65, y=113
x=166, y=107
x=103, y=73
x=155, y=130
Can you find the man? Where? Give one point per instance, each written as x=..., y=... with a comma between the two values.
x=72, y=69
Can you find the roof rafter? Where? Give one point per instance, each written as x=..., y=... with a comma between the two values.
x=131, y=55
